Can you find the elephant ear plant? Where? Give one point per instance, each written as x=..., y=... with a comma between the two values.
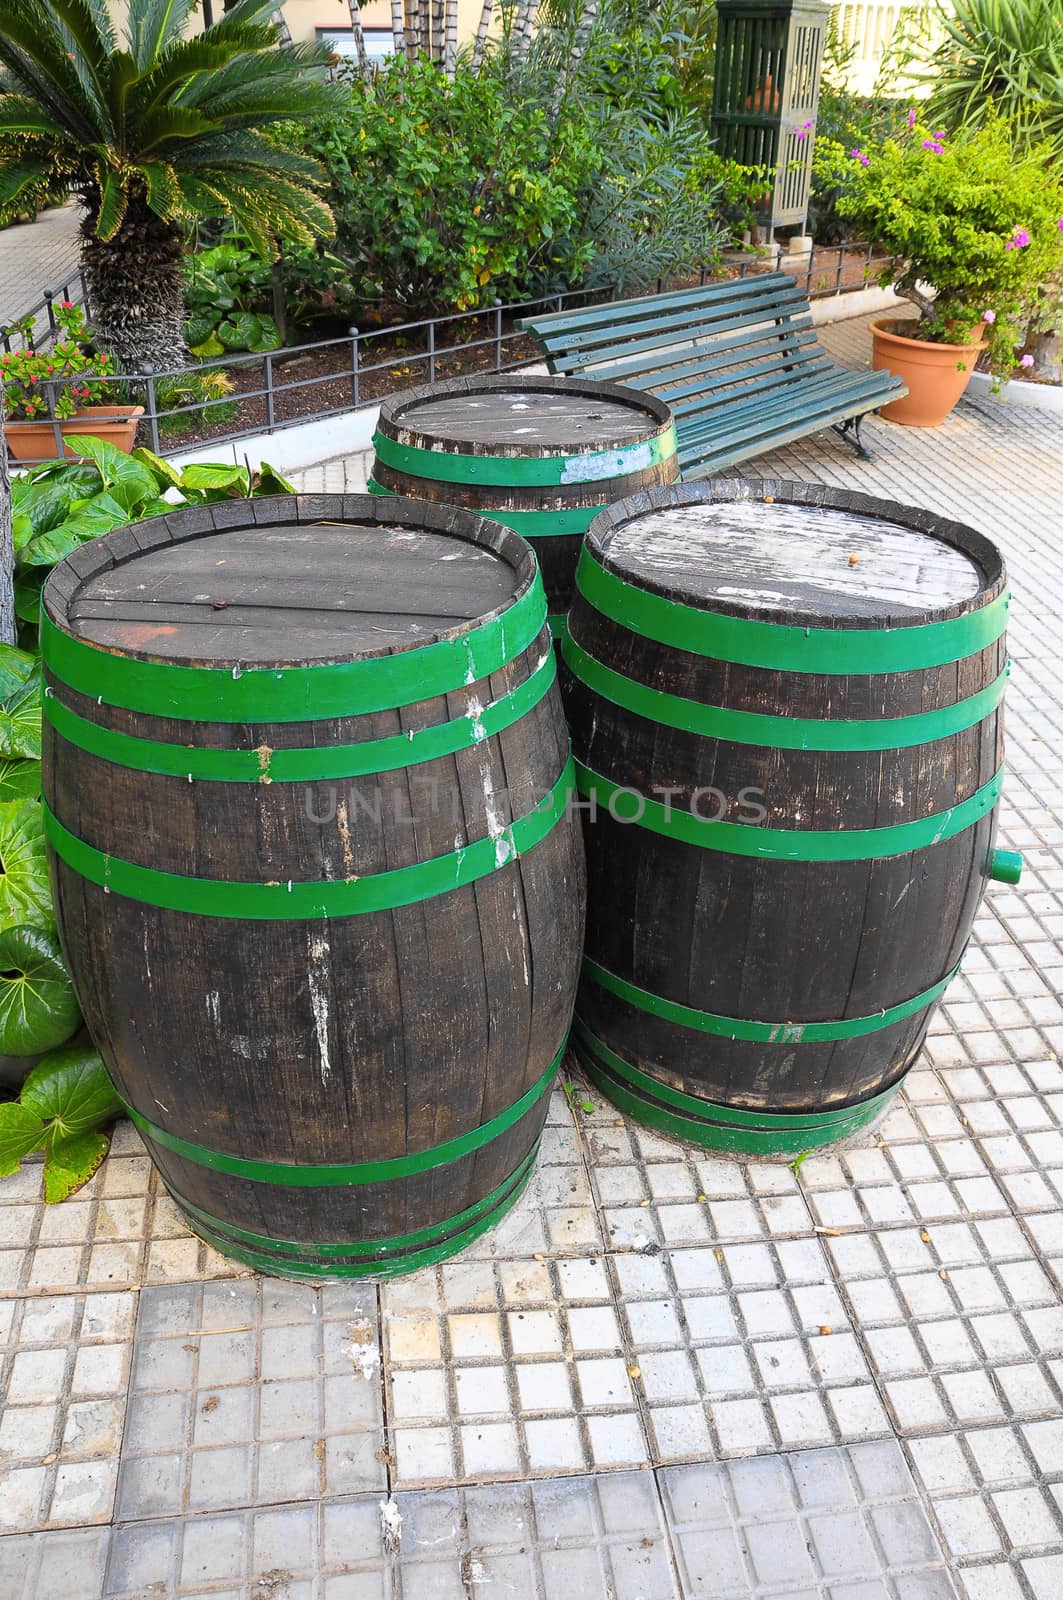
x=67, y=1100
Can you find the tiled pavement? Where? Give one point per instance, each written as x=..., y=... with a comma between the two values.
x=35, y=256
x=666, y=1376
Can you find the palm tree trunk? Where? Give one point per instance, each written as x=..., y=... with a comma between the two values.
x=414, y=29
x=136, y=288
x=436, y=43
x=450, y=48
x=283, y=34
x=481, y=34
x=7, y=554
x=398, y=28
x=359, y=36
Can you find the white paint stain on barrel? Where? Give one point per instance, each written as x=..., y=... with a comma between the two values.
x=318, y=977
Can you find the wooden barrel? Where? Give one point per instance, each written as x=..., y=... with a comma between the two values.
x=786, y=710
x=306, y=779
x=541, y=455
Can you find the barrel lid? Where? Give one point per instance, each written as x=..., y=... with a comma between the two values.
x=766, y=550
x=518, y=415
x=285, y=582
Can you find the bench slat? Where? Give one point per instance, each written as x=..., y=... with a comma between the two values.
x=778, y=286
x=679, y=361
x=647, y=335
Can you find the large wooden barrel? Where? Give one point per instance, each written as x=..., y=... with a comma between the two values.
x=321, y=894
x=796, y=693
x=541, y=455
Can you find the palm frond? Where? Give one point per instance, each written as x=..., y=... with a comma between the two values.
x=114, y=198
x=38, y=64
x=15, y=180
x=153, y=24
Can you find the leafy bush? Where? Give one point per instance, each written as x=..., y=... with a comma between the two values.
x=203, y=391
x=982, y=227
x=225, y=288
x=448, y=194
x=57, y=507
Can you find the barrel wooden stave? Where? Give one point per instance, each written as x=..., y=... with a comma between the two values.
x=557, y=552
x=448, y=982
x=741, y=937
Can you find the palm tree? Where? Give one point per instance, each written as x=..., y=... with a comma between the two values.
x=152, y=134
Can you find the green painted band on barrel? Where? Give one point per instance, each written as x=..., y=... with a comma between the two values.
x=295, y=694
x=330, y=1175
x=781, y=1033
x=782, y=733
x=713, y=1126
x=445, y=466
x=778, y=647
x=267, y=1260
x=307, y=764
x=785, y=844
x=370, y=1254
x=566, y=522
x=381, y=891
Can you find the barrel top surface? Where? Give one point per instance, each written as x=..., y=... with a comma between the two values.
x=315, y=591
x=751, y=556
x=516, y=419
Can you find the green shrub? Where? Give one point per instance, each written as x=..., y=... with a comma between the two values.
x=966, y=216
x=449, y=194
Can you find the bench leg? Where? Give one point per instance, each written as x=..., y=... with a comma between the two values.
x=849, y=430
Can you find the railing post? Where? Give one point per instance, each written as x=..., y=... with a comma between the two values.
x=432, y=351
x=354, y=365
x=153, y=417
x=60, y=448
x=271, y=417
x=498, y=334
x=280, y=315
x=838, y=274
x=52, y=324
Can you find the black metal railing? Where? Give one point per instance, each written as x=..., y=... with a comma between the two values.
x=267, y=397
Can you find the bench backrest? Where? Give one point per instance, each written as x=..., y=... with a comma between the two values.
x=691, y=345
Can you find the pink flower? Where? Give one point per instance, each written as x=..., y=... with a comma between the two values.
x=1019, y=240
x=912, y=118
x=989, y=316
x=935, y=145
x=803, y=130
x=1026, y=361
x=1060, y=224
x=67, y=305
x=858, y=155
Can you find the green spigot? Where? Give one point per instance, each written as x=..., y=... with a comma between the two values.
x=1005, y=866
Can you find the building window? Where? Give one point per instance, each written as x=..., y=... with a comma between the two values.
x=378, y=42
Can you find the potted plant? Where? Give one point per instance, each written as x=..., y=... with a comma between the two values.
x=974, y=233
x=68, y=383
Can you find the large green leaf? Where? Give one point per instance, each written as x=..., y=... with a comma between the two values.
x=25, y=893
x=16, y=667
x=47, y=503
x=165, y=474
x=19, y=779
x=249, y=331
x=205, y=349
x=87, y=520
x=21, y=1131
x=207, y=475
x=38, y=1009
x=28, y=594
x=70, y=1090
x=269, y=481
x=20, y=722
x=69, y=1163
x=125, y=479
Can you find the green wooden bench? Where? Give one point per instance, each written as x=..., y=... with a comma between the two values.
x=738, y=362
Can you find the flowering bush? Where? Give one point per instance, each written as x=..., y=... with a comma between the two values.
x=972, y=229
x=67, y=372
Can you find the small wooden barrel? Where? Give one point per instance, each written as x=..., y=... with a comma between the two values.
x=306, y=779
x=786, y=707
x=541, y=455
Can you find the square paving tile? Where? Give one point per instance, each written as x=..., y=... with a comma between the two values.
x=251, y=1393
x=63, y=1378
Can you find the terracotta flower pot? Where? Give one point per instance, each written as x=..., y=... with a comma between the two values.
x=936, y=374
x=35, y=441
